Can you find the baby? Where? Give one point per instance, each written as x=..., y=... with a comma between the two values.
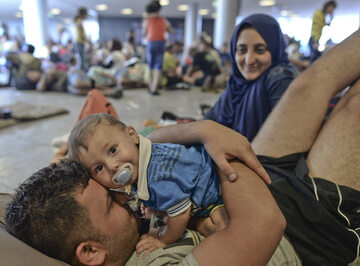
x=180, y=180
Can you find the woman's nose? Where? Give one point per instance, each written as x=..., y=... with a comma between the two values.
x=250, y=58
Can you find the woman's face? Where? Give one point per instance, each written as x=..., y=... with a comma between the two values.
x=252, y=56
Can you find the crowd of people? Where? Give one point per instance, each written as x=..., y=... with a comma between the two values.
x=79, y=65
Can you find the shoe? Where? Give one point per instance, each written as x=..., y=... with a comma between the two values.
x=204, y=108
x=117, y=93
x=182, y=86
x=168, y=116
x=154, y=93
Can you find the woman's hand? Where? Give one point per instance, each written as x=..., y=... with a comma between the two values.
x=224, y=144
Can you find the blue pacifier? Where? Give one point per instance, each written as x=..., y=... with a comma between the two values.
x=124, y=175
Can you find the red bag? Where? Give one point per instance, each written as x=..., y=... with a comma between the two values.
x=95, y=103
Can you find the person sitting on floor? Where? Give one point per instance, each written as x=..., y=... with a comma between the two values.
x=80, y=83
x=27, y=68
x=204, y=68
x=261, y=73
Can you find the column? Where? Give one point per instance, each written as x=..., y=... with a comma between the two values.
x=227, y=11
x=190, y=23
x=35, y=24
x=199, y=25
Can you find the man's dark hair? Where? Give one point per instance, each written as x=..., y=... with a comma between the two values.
x=169, y=47
x=153, y=7
x=28, y=48
x=45, y=213
x=116, y=45
x=73, y=61
x=328, y=4
x=82, y=11
x=86, y=127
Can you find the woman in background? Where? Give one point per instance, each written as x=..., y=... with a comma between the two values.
x=154, y=28
x=261, y=72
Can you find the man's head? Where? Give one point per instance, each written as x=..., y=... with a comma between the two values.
x=329, y=7
x=205, y=43
x=153, y=7
x=28, y=48
x=63, y=213
x=103, y=145
x=82, y=12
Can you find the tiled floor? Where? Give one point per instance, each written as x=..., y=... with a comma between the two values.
x=26, y=147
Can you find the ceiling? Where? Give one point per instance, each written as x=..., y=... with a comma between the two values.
x=303, y=8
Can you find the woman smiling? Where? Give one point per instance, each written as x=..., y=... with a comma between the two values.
x=261, y=72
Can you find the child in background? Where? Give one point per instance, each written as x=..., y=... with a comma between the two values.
x=179, y=180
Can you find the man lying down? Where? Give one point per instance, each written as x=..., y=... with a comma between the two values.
x=65, y=214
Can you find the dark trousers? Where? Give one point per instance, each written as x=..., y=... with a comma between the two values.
x=314, y=52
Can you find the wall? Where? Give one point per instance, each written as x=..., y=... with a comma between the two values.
x=114, y=27
x=110, y=27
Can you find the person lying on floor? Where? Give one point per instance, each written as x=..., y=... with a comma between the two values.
x=261, y=73
x=177, y=179
x=317, y=195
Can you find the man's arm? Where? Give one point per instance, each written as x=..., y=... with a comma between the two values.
x=144, y=27
x=169, y=29
x=255, y=227
x=220, y=142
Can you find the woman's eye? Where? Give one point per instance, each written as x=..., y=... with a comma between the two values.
x=261, y=50
x=98, y=168
x=112, y=150
x=241, y=50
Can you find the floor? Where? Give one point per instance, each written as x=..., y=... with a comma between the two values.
x=26, y=147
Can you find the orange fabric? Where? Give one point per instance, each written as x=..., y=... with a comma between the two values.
x=156, y=29
x=95, y=103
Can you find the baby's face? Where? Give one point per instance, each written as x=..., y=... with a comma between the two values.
x=109, y=147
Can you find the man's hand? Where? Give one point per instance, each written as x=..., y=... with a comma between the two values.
x=224, y=144
x=149, y=242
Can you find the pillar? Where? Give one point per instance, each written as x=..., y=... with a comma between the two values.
x=191, y=19
x=227, y=11
x=35, y=24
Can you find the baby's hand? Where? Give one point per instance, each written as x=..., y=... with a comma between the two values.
x=145, y=211
x=149, y=242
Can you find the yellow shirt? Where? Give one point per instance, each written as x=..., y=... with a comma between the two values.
x=80, y=32
x=318, y=23
x=169, y=61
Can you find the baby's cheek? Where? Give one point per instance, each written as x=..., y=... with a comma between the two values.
x=107, y=182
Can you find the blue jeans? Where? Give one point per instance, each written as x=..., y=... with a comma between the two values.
x=154, y=54
x=314, y=52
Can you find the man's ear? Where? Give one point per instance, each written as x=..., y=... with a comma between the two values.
x=133, y=134
x=91, y=253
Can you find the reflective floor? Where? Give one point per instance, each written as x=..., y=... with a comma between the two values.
x=26, y=147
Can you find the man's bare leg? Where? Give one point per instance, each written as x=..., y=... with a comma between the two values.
x=335, y=153
x=156, y=80
x=296, y=120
